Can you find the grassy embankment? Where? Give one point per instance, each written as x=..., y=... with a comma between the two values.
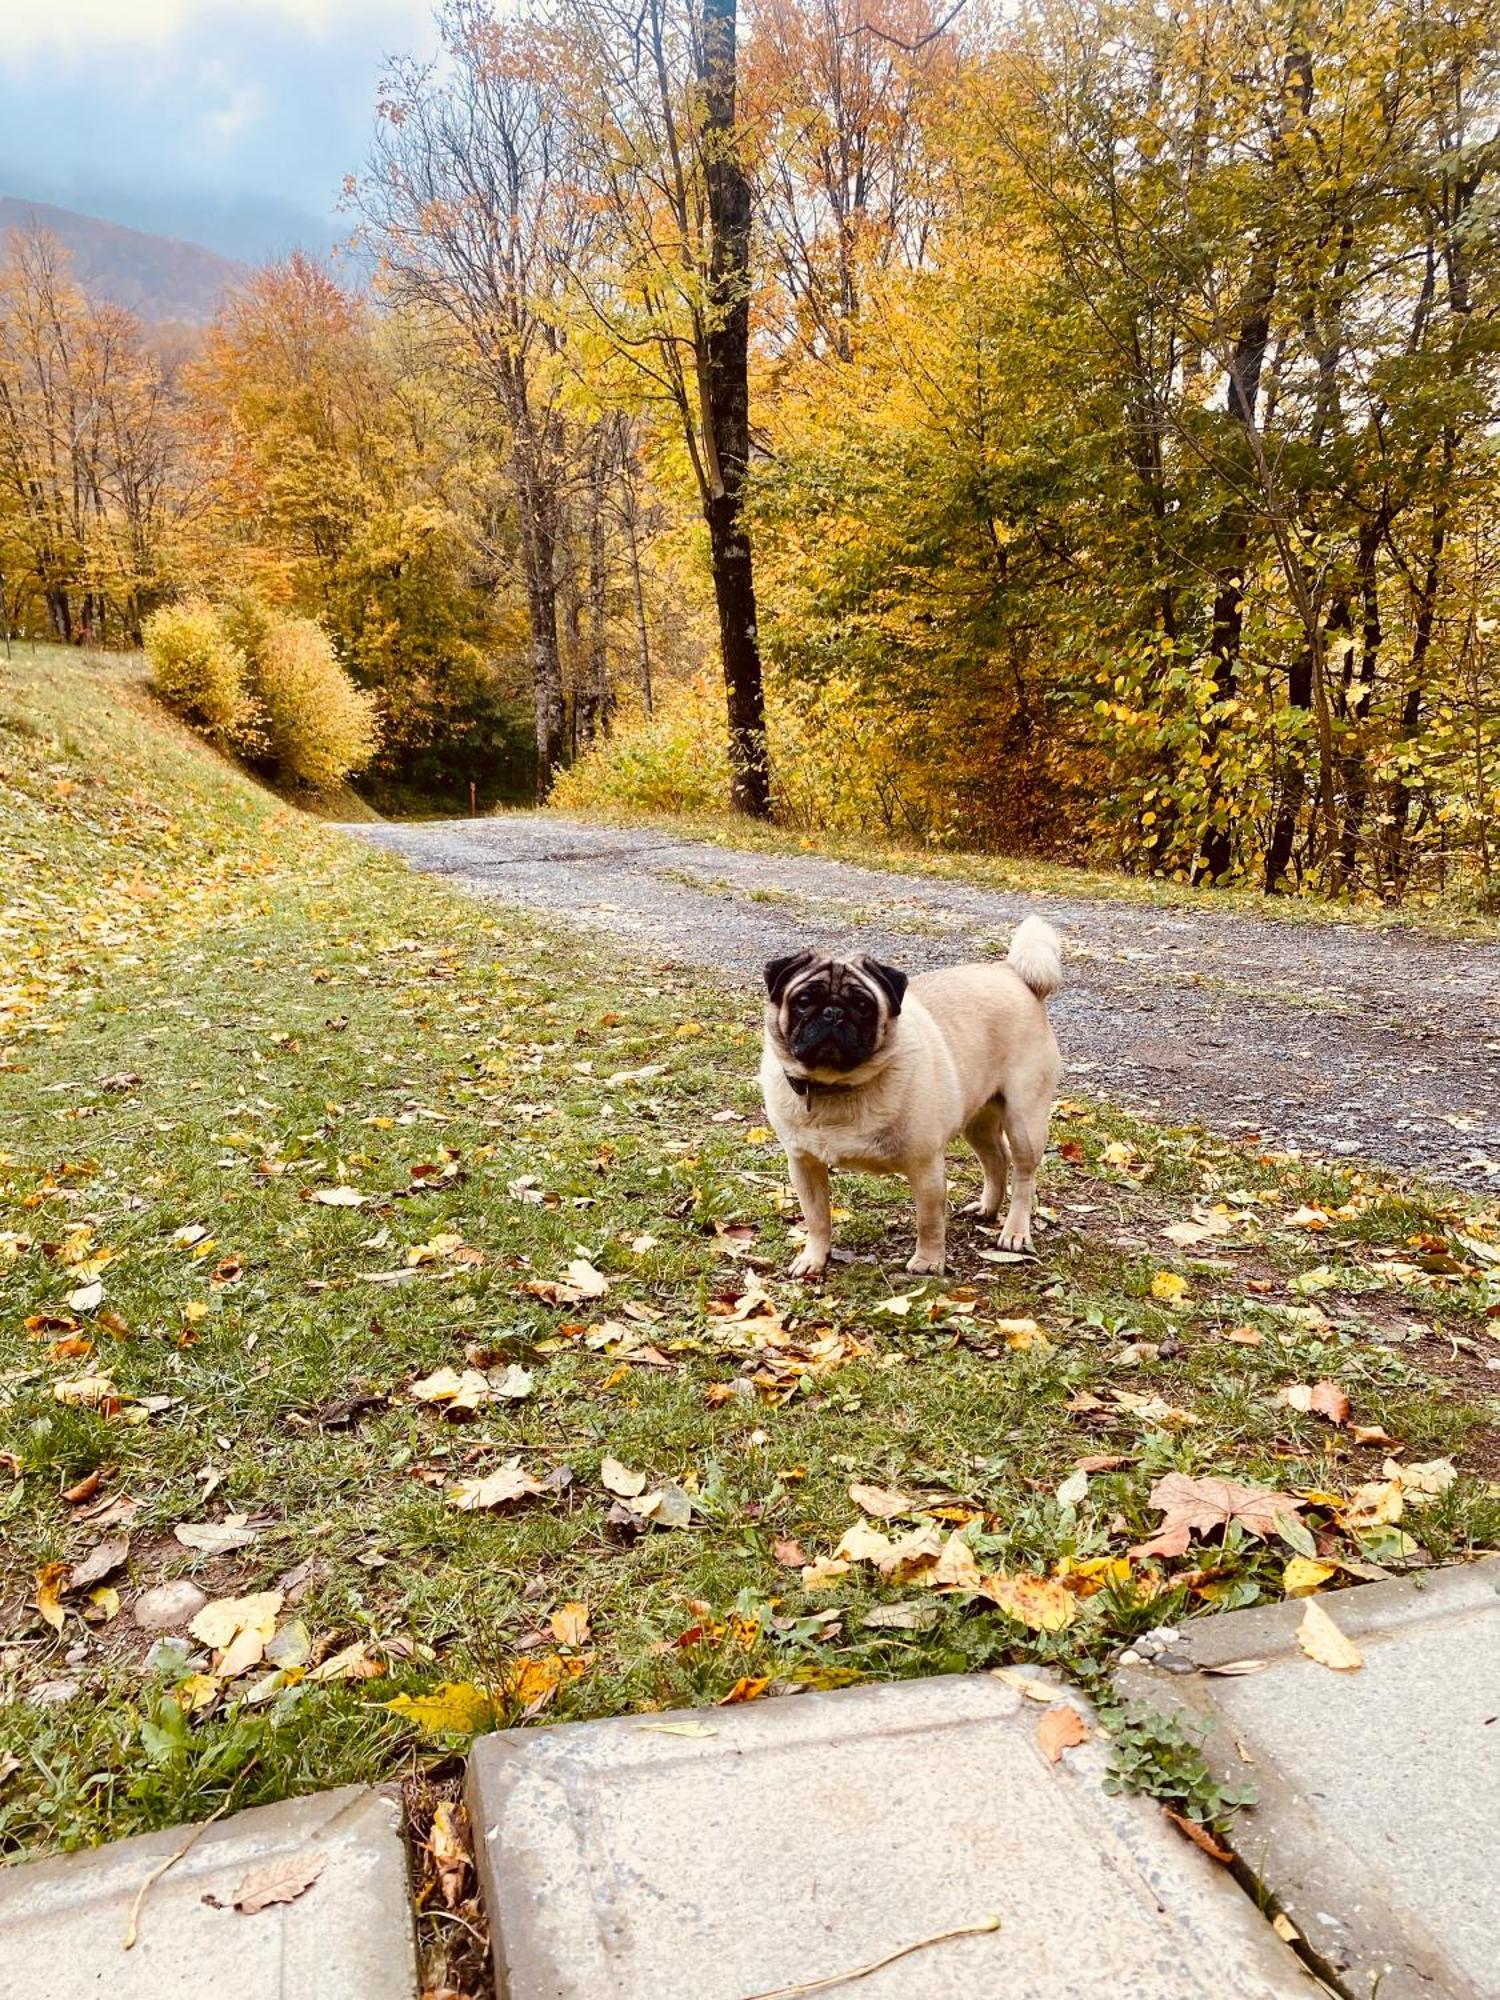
x=546, y=1168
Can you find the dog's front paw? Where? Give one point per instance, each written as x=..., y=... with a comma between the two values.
x=926, y=1264
x=1017, y=1236
x=808, y=1264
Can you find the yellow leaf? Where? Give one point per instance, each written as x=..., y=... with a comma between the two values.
x=824, y=1573
x=1037, y=1601
x=1322, y=1641
x=534, y=1681
x=51, y=1580
x=457, y=1708
x=759, y=1134
x=1169, y=1286
x=237, y=1628
x=570, y=1624
x=107, y=1598
x=1302, y=1575
x=862, y=1543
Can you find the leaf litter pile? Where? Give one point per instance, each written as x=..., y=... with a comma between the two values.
x=394, y=1345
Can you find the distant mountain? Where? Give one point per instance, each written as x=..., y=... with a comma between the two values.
x=155, y=276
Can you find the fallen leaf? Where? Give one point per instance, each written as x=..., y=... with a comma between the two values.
x=1061, y=1728
x=915, y=1615
x=1027, y=1684
x=448, y=1844
x=749, y=1687
x=789, y=1553
x=584, y=1279
x=862, y=1543
x=883, y=1502
x=956, y=1568
x=339, y=1197
x=824, y=1573
x=456, y=1708
x=51, y=1582
x=1322, y=1399
x=280, y=1881
x=1424, y=1481
x=1169, y=1286
x=513, y=1384
x=1074, y=1490
x=570, y=1624
x=684, y=1728
x=1194, y=1506
x=619, y=1479
x=101, y=1561
x=237, y=1628
x=1322, y=1640
x=1200, y=1836
x=86, y=1297
x=215, y=1538
x=496, y=1489
x=1038, y=1602
x=1232, y=1668
x=1302, y=1576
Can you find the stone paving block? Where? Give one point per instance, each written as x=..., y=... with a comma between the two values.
x=1377, y=1825
x=726, y=1853
x=348, y=1937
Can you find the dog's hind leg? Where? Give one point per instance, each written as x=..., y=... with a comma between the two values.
x=1026, y=1133
x=983, y=1134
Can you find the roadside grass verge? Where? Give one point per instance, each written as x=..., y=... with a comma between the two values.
x=1454, y=915
x=547, y=1175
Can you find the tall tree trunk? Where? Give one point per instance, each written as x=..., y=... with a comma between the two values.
x=727, y=414
x=642, y=630
x=538, y=559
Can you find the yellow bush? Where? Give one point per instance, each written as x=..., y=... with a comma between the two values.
x=319, y=727
x=197, y=669
x=835, y=761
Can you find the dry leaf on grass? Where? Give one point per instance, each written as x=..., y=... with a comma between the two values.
x=51, y=1582
x=1322, y=1641
x=570, y=1624
x=1037, y=1601
x=1320, y=1399
x=1195, y=1506
x=499, y=1488
x=215, y=1538
x=883, y=1502
x=621, y=1480
x=280, y=1881
x=789, y=1552
x=1061, y=1728
x=1302, y=1576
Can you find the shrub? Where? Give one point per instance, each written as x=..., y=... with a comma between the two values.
x=319, y=727
x=836, y=762
x=673, y=761
x=197, y=669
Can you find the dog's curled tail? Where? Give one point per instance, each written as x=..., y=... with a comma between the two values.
x=1036, y=956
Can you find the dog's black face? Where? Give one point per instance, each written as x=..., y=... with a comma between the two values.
x=831, y=1014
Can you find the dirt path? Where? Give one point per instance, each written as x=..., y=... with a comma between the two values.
x=1379, y=1044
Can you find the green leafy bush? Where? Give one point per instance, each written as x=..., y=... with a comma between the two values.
x=319, y=727
x=197, y=669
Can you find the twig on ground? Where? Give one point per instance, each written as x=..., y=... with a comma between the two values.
x=875, y=1964
x=175, y=1856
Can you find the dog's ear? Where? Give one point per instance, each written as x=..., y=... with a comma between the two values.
x=890, y=979
x=780, y=970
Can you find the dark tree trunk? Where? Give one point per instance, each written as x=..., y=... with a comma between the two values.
x=727, y=414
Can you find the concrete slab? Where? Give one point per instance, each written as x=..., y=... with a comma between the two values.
x=735, y=1852
x=1377, y=1826
x=348, y=1937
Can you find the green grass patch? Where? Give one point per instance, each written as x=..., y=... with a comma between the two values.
x=222, y=1012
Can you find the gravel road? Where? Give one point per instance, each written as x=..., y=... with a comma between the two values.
x=1379, y=1044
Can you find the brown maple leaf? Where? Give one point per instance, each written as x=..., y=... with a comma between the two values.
x=1194, y=1506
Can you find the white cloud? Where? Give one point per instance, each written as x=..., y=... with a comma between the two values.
x=82, y=27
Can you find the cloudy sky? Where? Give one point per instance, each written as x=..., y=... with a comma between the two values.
x=228, y=122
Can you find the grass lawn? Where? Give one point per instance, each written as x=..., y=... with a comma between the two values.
x=287, y=1131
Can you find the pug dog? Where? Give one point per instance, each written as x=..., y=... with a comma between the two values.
x=865, y=1068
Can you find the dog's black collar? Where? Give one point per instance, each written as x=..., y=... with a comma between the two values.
x=809, y=1086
